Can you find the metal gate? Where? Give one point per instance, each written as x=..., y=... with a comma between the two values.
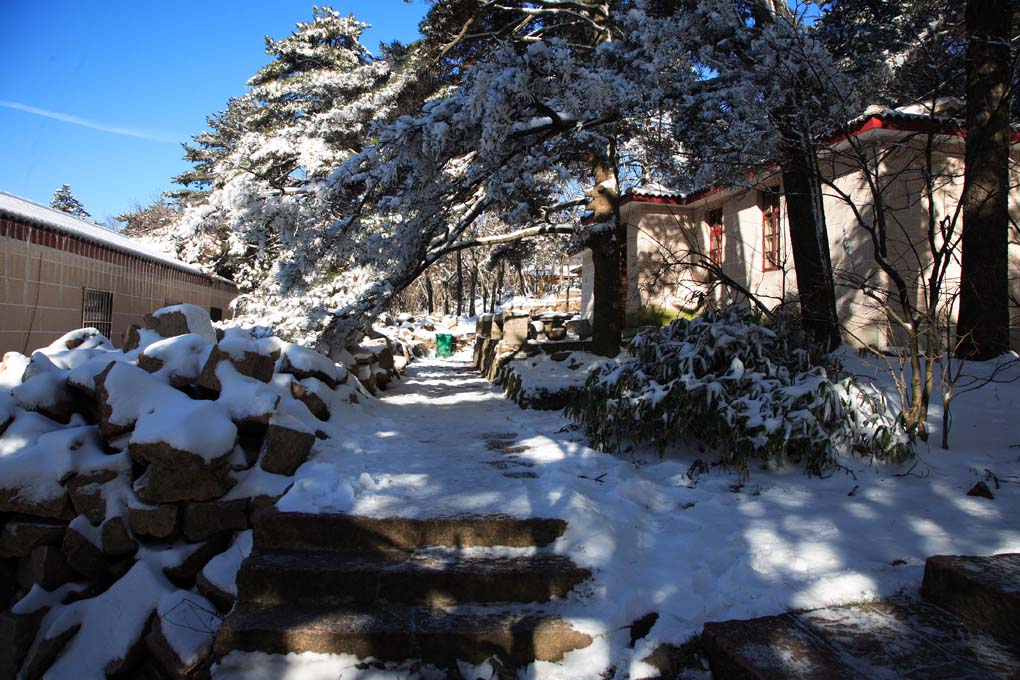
x=97, y=310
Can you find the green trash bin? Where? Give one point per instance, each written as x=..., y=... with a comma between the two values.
x=444, y=344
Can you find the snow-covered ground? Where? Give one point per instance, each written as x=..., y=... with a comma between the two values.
x=692, y=549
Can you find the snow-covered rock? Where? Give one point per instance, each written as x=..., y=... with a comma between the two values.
x=180, y=358
x=182, y=634
x=181, y=320
x=104, y=451
x=302, y=363
x=287, y=445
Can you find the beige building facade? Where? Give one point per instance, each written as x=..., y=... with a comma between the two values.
x=744, y=232
x=59, y=273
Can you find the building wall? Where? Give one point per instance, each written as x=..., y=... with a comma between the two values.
x=660, y=241
x=43, y=274
x=676, y=234
x=587, y=284
x=667, y=243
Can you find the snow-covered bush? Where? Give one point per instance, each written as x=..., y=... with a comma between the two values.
x=749, y=390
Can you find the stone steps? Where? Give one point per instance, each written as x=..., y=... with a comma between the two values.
x=965, y=628
x=396, y=633
x=440, y=580
x=306, y=531
x=382, y=588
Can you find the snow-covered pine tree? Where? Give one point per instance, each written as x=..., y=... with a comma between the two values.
x=209, y=147
x=64, y=201
x=150, y=221
x=311, y=107
x=544, y=100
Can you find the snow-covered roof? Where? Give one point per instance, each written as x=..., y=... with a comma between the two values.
x=941, y=106
x=654, y=190
x=34, y=213
x=944, y=113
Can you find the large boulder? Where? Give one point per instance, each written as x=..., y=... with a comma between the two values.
x=308, y=395
x=246, y=399
x=182, y=482
x=43, y=389
x=88, y=494
x=35, y=460
x=84, y=552
x=286, y=446
x=46, y=566
x=13, y=500
x=193, y=558
x=382, y=349
x=247, y=362
x=118, y=391
x=302, y=362
x=168, y=427
x=580, y=327
x=152, y=521
x=181, y=320
x=515, y=331
x=115, y=538
x=218, y=580
x=199, y=521
x=17, y=632
x=19, y=537
x=179, y=359
x=181, y=637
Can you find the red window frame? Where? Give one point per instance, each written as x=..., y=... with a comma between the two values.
x=715, y=235
x=771, y=236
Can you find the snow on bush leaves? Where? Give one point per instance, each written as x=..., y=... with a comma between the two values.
x=747, y=389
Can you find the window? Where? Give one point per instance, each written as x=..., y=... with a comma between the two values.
x=215, y=314
x=97, y=310
x=771, y=237
x=715, y=235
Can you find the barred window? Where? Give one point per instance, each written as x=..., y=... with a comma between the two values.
x=771, y=236
x=715, y=235
x=97, y=310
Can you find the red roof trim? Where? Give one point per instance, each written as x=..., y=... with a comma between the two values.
x=899, y=125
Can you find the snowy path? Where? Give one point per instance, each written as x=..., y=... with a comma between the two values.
x=444, y=441
x=698, y=549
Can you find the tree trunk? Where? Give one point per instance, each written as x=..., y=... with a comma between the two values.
x=472, y=289
x=497, y=293
x=430, y=295
x=460, y=285
x=982, y=331
x=809, y=240
x=606, y=245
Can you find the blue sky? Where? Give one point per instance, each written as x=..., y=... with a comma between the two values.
x=100, y=95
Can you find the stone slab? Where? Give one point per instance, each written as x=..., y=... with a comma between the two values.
x=311, y=578
x=901, y=638
x=982, y=590
x=307, y=531
x=400, y=633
